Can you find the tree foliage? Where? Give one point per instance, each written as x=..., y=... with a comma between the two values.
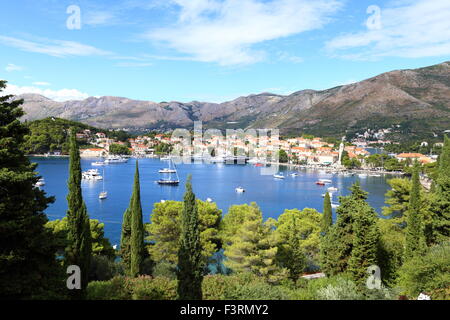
x=252, y=245
x=190, y=260
x=119, y=149
x=165, y=229
x=100, y=244
x=79, y=248
x=28, y=268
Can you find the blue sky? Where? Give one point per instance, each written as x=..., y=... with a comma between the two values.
x=213, y=50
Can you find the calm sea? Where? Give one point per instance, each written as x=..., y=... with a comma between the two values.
x=215, y=181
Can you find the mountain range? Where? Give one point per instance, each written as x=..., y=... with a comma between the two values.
x=417, y=100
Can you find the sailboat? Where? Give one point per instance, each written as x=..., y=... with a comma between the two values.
x=169, y=181
x=103, y=195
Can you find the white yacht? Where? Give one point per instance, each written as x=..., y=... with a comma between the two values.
x=165, y=158
x=167, y=170
x=169, y=181
x=279, y=176
x=98, y=163
x=115, y=159
x=240, y=190
x=91, y=174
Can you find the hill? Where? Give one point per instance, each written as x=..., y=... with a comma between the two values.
x=416, y=101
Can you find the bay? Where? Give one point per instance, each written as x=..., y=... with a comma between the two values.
x=215, y=181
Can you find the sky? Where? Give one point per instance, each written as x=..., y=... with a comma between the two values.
x=212, y=50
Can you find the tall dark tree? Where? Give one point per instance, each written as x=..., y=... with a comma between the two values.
x=79, y=249
x=336, y=246
x=190, y=261
x=440, y=229
x=327, y=217
x=125, y=239
x=365, y=242
x=415, y=238
x=28, y=267
x=137, y=228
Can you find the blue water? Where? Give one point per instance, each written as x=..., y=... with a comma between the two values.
x=215, y=181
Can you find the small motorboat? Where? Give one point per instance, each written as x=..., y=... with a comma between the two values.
x=91, y=174
x=279, y=176
x=334, y=205
x=167, y=170
x=98, y=163
x=332, y=189
x=165, y=158
x=209, y=200
x=320, y=183
x=259, y=165
x=294, y=174
x=169, y=182
x=240, y=190
x=103, y=195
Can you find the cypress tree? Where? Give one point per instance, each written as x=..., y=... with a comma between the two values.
x=125, y=249
x=440, y=228
x=336, y=246
x=327, y=217
x=190, y=261
x=28, y=267
x=415, y=239
x=137, y=228
x=79, y=249
x=365, y=243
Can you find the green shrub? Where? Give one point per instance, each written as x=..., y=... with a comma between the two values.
x=114, y=289
x=103, y=268
x=344, y=289
x=428, y=273
x=164, y=269
x=148, y=288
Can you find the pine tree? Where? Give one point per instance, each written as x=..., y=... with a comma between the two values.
x=253, y=247
x=28, y=267
x=137, y=228
x=365, y=243
x=327, y=217
x=190, y=260
x=440, y=229
x=415, y=238
x=336, y=246
x=79, y=249
x=294, y=256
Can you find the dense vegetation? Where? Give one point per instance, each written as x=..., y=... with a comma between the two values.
x=52, y=134
x=190, y=251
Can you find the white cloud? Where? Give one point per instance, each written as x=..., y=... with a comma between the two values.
x=97, y=18
x=57, y=95
x=134, y=64
x=56, y=48
x=410, y=29
x=284, y=56
x=41, y=83
x=12, y=67
x=226, y=31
